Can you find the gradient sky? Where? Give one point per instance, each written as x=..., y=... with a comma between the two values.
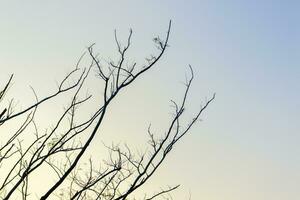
x=248, y=52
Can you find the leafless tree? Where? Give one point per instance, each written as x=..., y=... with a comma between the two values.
x=61, y=148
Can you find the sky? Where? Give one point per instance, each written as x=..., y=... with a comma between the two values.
x=247, y=52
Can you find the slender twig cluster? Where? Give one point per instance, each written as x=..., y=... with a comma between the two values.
x=61, y=150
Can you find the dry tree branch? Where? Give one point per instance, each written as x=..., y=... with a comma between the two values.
x=123, y=173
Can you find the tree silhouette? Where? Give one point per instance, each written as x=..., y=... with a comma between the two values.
x=68, y=140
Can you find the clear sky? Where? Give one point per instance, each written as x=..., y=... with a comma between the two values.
x=248, y=52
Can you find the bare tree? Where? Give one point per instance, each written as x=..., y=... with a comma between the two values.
x=62, y=147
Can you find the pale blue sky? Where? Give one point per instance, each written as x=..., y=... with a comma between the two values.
x=248, y=52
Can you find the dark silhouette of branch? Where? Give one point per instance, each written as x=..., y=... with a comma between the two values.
x=61, y=148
